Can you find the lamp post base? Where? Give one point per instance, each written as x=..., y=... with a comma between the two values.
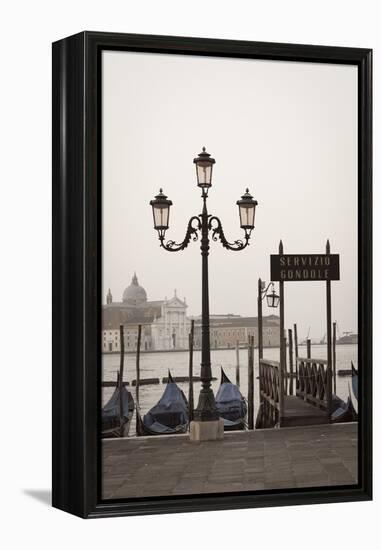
x=212, y=430
x=206, y=410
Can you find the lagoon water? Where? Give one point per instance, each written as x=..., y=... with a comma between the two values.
x=156, y=365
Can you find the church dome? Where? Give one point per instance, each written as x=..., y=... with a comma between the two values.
x=134, y=295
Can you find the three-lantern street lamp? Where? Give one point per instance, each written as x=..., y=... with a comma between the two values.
x=204, y=224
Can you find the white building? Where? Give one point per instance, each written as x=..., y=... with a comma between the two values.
x=110, y=340
x=164, y=322
x=171, y=329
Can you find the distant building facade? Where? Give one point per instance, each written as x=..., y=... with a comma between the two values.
x=227, y=330
x=165, y=325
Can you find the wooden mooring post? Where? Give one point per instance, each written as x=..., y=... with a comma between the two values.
x=290, y=362
x=285, y=376
x=250, y=382
x=281, y=344
x=334, y=356
x=191, y=396
x=138, y=373
x=308, y=342
x=329, y=339
x=237, y=380
x=260, y=328
x=308, y=348
x=296, y=355
x=262, y=403
x=120, y=378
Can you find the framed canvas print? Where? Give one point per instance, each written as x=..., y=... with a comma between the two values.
x=211, y=274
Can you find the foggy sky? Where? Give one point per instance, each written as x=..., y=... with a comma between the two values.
x=286, y=130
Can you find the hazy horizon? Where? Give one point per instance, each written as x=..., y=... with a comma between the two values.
x=286, y=130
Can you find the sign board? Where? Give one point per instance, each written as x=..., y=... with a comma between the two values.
x=305, y=267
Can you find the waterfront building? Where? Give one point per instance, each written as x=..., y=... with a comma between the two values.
x=165, y=325
x=227, y=330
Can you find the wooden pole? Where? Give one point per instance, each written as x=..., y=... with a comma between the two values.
x=309, y=348
x=138, y=370
x=191, y=398
x=334, y=357
x=250, y=383
x=291, y=361
x=237, y=379
x=308, y=342
x=260, y=327
x=285, y=364
x=281, y=343
x=296, y=340
x=120, y=378
x=329, y=341
x=296, y=356
x=260, y=338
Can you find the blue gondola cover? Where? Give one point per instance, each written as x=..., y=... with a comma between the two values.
x=170, y=413
x=111, y=411
x=230, y=404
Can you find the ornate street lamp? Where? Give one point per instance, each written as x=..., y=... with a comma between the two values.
x=203, y=225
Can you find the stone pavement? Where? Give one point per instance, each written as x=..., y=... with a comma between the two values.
x=307, y=456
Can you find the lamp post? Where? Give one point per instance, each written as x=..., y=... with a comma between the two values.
x=272, y=301
x=271, y=297
x=205, y=225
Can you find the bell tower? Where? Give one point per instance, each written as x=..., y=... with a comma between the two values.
x=109, y=297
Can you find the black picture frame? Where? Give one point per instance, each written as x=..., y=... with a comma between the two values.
x=77, y=270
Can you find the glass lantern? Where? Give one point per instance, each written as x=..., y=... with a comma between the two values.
x=204, y=167
x=247, y=207
x=160, y=209
x=272, y=298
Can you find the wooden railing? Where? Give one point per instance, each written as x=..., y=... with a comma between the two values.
x=271, y=388
x=312, y=382
x=313, y=385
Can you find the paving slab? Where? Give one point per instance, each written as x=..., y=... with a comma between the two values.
x=305, y=456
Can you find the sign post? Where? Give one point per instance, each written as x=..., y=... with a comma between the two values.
x=306, y=267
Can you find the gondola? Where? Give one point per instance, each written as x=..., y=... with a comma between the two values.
x=337, y=402
x=355, y=380
x=231, y=405
x=111, y=424
x=345, y=412
x=168, y=416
